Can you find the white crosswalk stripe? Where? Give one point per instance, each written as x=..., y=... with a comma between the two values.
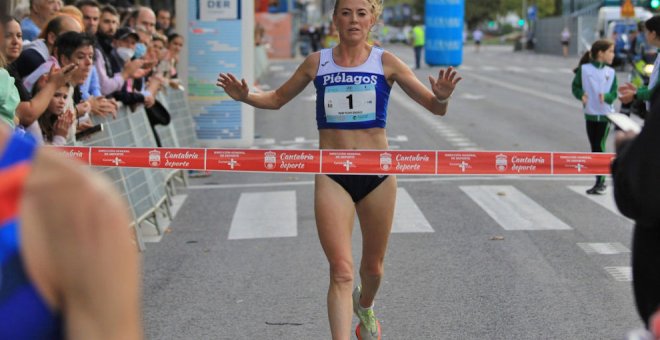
x=512, y=209
x=604, y=248
x=265, y=215
x=273, y=214
x=606, y=200
x=623, y=273
x=408, y=218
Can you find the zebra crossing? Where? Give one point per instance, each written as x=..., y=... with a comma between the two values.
x=272, y=213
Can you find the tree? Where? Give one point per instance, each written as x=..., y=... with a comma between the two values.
x=546, y=8
x=477, y=11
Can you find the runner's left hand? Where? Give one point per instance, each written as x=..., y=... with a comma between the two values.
x=444, y=86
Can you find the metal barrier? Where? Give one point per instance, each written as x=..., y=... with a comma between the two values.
x=147, y=191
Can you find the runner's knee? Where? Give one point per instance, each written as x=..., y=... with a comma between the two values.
x=373, y=268
x=341, y=271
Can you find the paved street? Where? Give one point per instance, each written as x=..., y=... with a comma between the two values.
x=470, y=257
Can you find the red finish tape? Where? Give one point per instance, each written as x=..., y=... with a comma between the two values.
x=405, y=162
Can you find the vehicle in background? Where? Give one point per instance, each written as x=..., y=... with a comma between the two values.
x=609, y=14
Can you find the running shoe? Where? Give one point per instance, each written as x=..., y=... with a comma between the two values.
x=597, y=189
x=369, y=327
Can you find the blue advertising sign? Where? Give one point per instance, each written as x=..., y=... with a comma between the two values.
x=444, y=32
x=215, y=44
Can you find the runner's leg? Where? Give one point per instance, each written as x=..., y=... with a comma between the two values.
x=376, y=212
x=335, y=213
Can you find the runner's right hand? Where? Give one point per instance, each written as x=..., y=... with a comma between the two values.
x=236, y=89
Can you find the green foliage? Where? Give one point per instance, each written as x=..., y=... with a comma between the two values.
x=478, y=11
x=506, y=29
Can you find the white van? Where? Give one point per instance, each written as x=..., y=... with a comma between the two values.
x=609, y=14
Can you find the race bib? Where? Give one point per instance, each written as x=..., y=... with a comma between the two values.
x=350, y=103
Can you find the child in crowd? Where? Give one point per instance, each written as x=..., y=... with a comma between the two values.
x=55, y=122
x=596, y=86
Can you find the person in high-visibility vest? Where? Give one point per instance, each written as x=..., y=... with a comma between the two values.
x=417, y=38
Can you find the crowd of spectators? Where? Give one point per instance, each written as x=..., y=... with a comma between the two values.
x=61, y=65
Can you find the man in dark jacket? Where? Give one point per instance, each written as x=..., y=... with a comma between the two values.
x=636, y=174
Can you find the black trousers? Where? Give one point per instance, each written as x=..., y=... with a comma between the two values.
x=646, y=269
x=597, y=133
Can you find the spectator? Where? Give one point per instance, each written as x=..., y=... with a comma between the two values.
x=260, y=55
x=158, y=51
x=145, y=17
x=636, y=191
x=174, y=50
x=565, y=41
x=164, y=22
x=55, y=123
x=8, y=94
x=331, y=39
x=40, y=50
x=78, y=49
x=41, y=12
x=477, y=35
x=143, y=21
x=30, y=107
x=74, y=244
x=418, y=42
x=75, y=13
x=91, y=11
x=131, y=92
x=113, y=71
x=108, y=25
x=632, y=43
x=314, y=37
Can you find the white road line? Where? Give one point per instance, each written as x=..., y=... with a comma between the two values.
x=407, y=216
x=542, y=70
x=263, y=141
x=623, y=274
x=464, y=145
x=512, y=209
x=604, y=248
x=606, y=201
x=423, y=115
x=265, y=215
x=568, y=101
x=177, y=203
x=488, y=68
x=515, y=69
x=457, y=139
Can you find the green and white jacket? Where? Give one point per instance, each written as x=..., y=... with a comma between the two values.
x=594, y=79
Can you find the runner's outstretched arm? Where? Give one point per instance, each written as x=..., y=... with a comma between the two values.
x=433, y=100
x=272, y=100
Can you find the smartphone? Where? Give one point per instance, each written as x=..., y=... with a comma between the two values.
x=624, y=122
x=88, y=132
